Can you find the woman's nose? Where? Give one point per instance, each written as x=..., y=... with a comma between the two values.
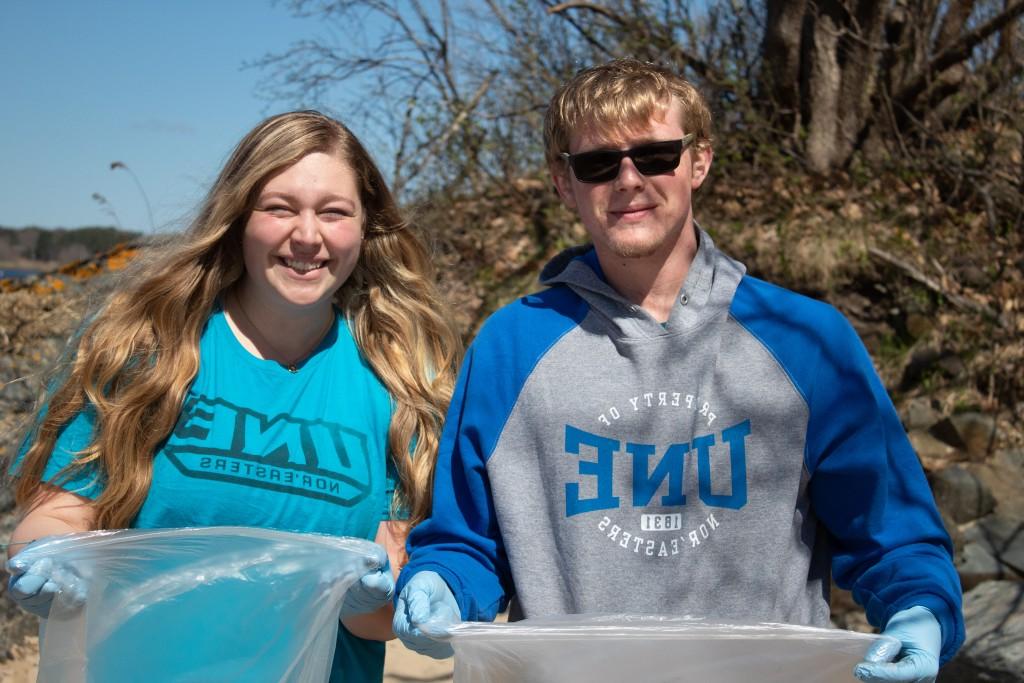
x=306, y=229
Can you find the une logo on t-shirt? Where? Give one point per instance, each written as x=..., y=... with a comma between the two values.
x=215, y=439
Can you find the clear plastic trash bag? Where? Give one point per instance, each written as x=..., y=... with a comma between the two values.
x=198, y=605
x=653, y=649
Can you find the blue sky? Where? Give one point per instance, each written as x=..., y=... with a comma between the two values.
x=157, y=85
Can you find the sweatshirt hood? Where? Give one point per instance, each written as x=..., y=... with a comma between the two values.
x=704, y=295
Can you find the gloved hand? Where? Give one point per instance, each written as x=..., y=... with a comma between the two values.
x=425, y=611
x=373, y=590
x=919, y=639
x=34, y=583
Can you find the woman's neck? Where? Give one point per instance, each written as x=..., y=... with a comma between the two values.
x=288, y=337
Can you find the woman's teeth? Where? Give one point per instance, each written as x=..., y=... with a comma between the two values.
x=303, y=266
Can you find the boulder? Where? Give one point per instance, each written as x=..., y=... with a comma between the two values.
x=993, y=549
x=994, y=649
x=975, y=433
x=935, y=455
x=919, y=414
x=977, y=564
x=1003, y=474
x=961, y=495
x=1007, y=538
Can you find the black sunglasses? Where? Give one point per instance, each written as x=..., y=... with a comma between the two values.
x=602, y=165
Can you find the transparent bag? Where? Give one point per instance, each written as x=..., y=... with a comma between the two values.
x=198, y=604
x=653, y=649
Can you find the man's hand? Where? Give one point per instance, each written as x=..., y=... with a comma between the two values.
x=373, y=590
x=33, y=586
x=426, y=610
x=914, y=658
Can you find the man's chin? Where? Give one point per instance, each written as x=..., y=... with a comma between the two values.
x=641, y=242
x=634, y=249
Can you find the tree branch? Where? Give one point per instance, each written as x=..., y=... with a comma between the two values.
x=579, y=4
x=957, y=52
x=956, y=16
x=439, y=142
x=913, y=273
x=596, y=44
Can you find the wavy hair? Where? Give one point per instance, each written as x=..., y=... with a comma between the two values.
x=621, y=95
x=134, y=360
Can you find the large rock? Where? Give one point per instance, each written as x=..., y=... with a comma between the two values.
x=974, y=433
x=994, y=650
x=993, y=549
x=976, y=564
x=1003, y=474
x=961, y=495
x=919, y=413
x=935, y=455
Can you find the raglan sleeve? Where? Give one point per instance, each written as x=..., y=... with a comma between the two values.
x=867, y=486
x=461, y=540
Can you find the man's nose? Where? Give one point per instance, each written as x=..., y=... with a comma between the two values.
x=629, y=177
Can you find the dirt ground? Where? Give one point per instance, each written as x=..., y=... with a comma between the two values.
x=400, y=666
x=22, y=668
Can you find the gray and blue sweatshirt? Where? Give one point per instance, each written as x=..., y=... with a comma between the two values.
x=722, y=464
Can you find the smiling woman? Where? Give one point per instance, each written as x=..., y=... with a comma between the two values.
x=300, y=244
x=285, y=364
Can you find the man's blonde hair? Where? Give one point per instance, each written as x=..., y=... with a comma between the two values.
x=623, y=94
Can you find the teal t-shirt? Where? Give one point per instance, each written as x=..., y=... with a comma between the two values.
x=258, y=445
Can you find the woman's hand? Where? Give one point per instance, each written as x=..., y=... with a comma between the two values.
x=34, y=584
x=373, y=586
x=373, y=590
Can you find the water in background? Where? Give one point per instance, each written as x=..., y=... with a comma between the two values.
x=17, y=273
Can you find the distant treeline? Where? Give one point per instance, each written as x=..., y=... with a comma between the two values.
x=59, y=245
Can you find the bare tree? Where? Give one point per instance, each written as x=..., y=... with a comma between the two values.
x=461, y=87
x=833, y=69
x=438, y=79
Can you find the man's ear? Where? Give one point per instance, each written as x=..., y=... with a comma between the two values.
x=702, y=157
x=563, y=183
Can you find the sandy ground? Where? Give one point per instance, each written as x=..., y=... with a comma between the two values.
x=21, y=669
x=400, y=666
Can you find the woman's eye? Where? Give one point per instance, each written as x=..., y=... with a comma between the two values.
x=274, y=209
x=336, y=214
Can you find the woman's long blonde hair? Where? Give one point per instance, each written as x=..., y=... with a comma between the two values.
x=135, y=359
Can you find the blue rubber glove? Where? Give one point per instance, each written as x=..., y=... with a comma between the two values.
x=373, y=590
x=425, y=611
x=919, y=639
x=33, y=584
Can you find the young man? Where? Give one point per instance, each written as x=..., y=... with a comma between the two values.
x=658, y=432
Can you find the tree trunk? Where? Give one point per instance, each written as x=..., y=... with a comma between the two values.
x=860, y=57
x=916, y=53
x=823, y=89
x=781, y=51
x=836, y=43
